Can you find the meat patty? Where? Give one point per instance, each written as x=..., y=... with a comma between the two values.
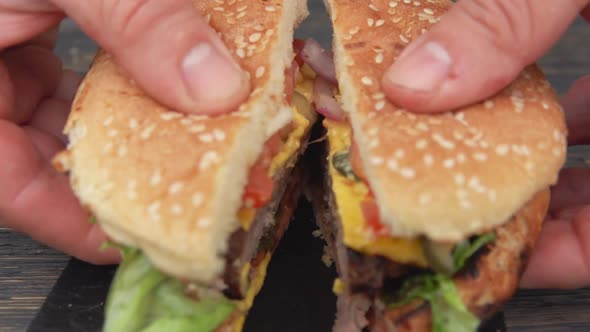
x=360, y=273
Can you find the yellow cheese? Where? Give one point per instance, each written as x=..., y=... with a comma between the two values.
x=348, y=195
x=255, y=287
x=338, y=287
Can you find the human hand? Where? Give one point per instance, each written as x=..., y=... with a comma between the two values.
x=35, y=97
x=562, y=256
x=477, y=48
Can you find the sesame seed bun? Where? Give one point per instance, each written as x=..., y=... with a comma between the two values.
x=170, y=183
x=450, y=175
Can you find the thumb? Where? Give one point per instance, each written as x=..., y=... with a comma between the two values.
x=169, y=50
x=477, y=49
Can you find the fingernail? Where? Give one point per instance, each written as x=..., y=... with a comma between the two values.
x=423, y=69
x=210, y=76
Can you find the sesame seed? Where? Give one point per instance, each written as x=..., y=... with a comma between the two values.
x=176, y=209
x=107, y=148
x=392, y=4
x=428, y=160
x=133, y=123
x=169, y=116
x=197, y=128
x=219, y=135
x=488, y=104
x=204, y=222
x=449, y=163
x=255, y=37
x=421, y=144
x=392, y=164
x=175, y=187
x=373, y=7
x=153, y=210
x=131, y=195
x=260, y=71
x=366, y=80
x=459, y=179
x=156, y=178
x=461, y=158
x=206, y=138
x=270, y=8
x=377, y=160
x=424, y=199
x=370, y=22
x=446, y=144
x=122, y=151
x=379, y=105
x=479, y=156
x=502, y=149
x=492, y=196
x=408, y=173
x=399, y=153
x=112, y=133
x=379, y=22
x=379, y=58
x=108, y=121
x=209, y=158
x=428, y=11
x=378, y=96
x=197, y=199
x=404, y=39
x=147, y=132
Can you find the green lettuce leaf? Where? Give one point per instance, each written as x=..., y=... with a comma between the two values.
x=143, y=299
x=467, y=248
x=449, y=313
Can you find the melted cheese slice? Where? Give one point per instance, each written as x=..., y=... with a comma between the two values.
x=255, y=287
x=348, y=195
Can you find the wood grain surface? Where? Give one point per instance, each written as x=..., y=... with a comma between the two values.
x=28, y=270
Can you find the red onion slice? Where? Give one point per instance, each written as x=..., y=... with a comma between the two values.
x=319, y=60
x=324, y=100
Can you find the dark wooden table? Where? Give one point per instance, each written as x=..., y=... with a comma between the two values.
x=28, y=270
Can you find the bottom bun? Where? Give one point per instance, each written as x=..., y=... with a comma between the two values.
x=490, y=281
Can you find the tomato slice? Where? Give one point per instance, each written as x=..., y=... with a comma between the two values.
x=372, y=217
x=259, y=189
x=298, y=45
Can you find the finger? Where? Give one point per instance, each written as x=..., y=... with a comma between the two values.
x=66, y=90
x=36, y=200
x=35, y=73
x=572, y=189
x=193, y=72
x=562, y=257
x=476, y=49
x=21, y=21
x=576, y=104
x=47, y=39
x=50, y=117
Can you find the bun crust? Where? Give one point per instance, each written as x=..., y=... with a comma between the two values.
x=450, y=175
x=169, y=183
x=492, y=280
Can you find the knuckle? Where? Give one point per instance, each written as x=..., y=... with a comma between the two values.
x=506, y=24
x=126, y=19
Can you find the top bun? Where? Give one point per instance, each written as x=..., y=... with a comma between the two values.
x=444, y=176
x=170, y=183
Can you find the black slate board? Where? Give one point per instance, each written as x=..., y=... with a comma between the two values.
x=297, y=295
